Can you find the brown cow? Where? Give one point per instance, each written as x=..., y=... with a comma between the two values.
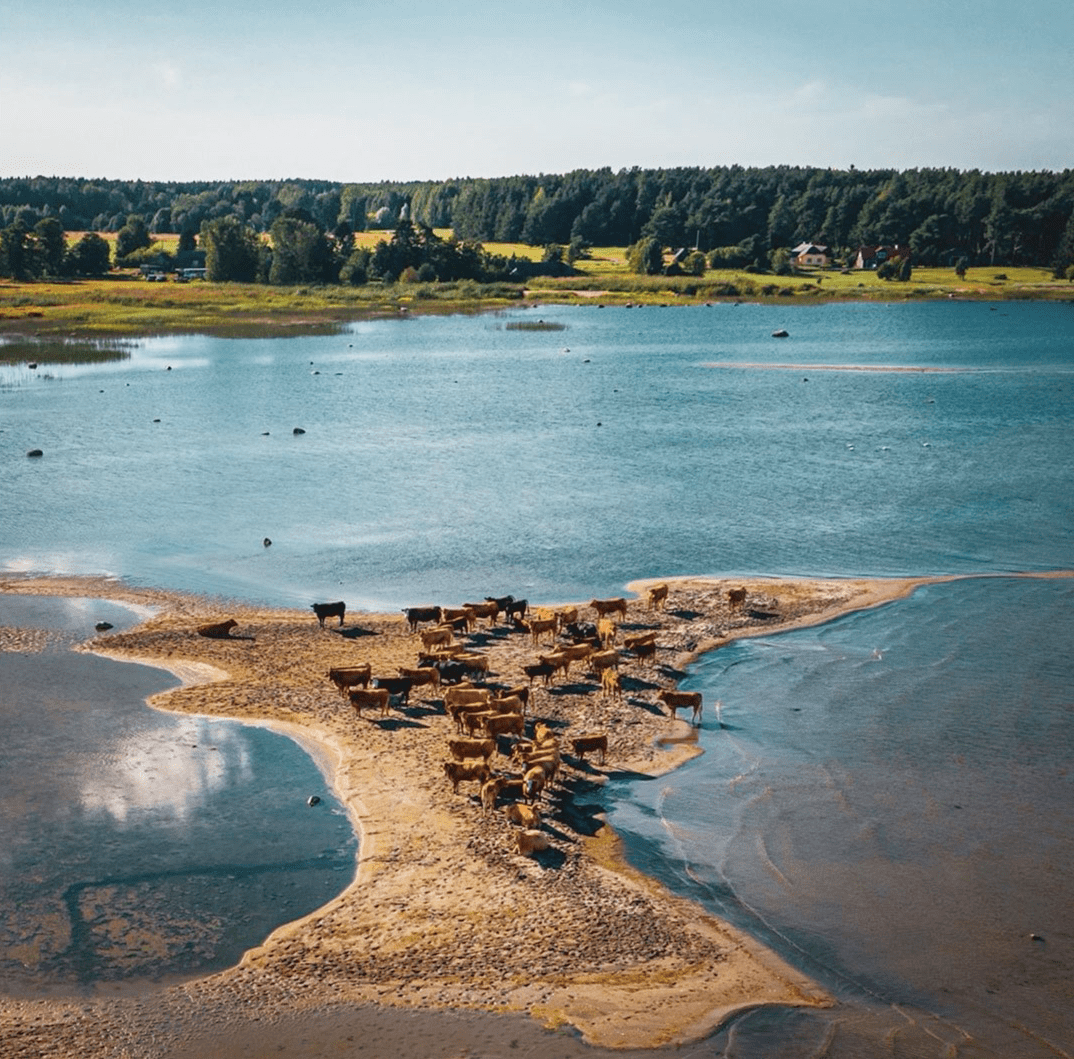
x=567, y=616
x=533, y=783
x=490, y=609
x=601, y=660
x=218, y=630
x=604, y=607
x=505, y=724
x=490, y=791
x=736, y=596
x=682, y=700
x=458, y=771
x=557, y=660
x=657, y=596
x=539, y=627
x=585, y=744
x=463, y=748
x=347, y=677
x=436, y=636
x=452, y=615
x=422, y=675
x=508, y=703
x=539, y=669
x=643, y=645
x=472, y=720
x=361, y=697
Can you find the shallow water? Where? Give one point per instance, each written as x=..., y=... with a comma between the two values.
x=445, y=459
x=140, y=845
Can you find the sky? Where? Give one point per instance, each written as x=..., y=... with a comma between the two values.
x=367, y=90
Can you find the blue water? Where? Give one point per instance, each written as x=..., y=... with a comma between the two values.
x=448, y=458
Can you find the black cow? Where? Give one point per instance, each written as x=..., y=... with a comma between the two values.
x=329, y=610
x=396, y=686
x=416, y=615
x=451, y=672
x=516, y=609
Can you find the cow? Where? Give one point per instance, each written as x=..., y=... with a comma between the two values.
x=490, y=791
x=531, y=841
x=218, y=630
x=533, y=783
x=461, y=749
x=557, y=660
x=505, y=724
x=466, y=693
x=489, y=609
x=601, y=660
x=451, y=672
x=329, y=610
x=416, y=615
x=395, y=686
x=539, y=627
x=604, y=607
x=471, y=719
x=736, y=596
x=566, y=616
x=576, y=652
x=526, y=815
x=442, y=634
x=346, y=677
x=421, y=676
x=458, y=771
x=362, y=697
x=657, y=596
x=516, y=610
x=643, y=645
x=512, y=788
x=539, y=669
x=508, y=703
x=585, y=744
x=474, y=663
x=542, y=733
x=682, y=700
x=606, y=629
x=502, y=603
x=610, y=683
x=456, y=616
x=520, y=691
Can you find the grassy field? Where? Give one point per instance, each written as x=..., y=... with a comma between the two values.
x=89, y=314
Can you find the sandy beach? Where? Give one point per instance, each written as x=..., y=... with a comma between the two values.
x=444, y=920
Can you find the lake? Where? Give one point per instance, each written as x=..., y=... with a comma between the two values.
x=442, y=459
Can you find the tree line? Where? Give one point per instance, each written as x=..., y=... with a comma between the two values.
x=735, y=216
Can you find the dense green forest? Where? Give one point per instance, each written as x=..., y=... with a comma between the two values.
x=736, y=216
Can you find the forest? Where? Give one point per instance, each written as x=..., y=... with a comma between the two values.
x=735, y=216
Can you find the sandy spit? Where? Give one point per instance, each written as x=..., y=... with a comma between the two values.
x=443, y=914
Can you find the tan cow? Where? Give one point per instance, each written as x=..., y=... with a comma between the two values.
x=462, y=694
x=606, y=630
x=436, y=636
x=604, y=607
x=489, y=609
x=657, y=596
x=683, y=700
x=533, y=782
x=472, y=719
x=531, y=841
x=347, y=677
x=610, y=683
x=587, y=744
x=362, y=697
x=577, y=652
x=459, y=771
x=526, y=815
x=505, y=724
x=461, y=749
x=508, y=704
x=539, y=627
x=557, y=660
x=566, y=616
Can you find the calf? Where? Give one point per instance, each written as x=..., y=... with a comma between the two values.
x=218, y=630
x=329, y=610
x=361, y=697
x=604, y=607
x=416, y=615
x=458, y=771
x=346, y=677
x=490, y=791
x=539, y=669
x=586, y=744
x=681, y=700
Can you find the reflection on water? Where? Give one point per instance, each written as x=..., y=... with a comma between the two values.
x=140, y=845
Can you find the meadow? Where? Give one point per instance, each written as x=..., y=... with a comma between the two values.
x=79, y=314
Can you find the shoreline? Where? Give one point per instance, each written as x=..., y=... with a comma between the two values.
x=434, y=879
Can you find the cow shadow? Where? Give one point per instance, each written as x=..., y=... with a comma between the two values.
x=637, y=684
x=672, y=673
x=582, y=819
x=354, y=632
x=650, y=707
x=687, y=615
x=550, y=859
x=574, y=688
x=394, y=724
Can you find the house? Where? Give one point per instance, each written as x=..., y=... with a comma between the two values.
x=872, y=257
x=811, y=254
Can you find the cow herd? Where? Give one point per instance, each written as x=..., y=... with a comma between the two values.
x=513, y=759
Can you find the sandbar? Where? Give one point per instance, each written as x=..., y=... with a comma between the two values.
x=443, y=914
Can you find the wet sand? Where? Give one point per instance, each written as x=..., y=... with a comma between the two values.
x=445, y=921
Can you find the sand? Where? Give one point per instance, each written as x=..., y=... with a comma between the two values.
x=443, y=915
